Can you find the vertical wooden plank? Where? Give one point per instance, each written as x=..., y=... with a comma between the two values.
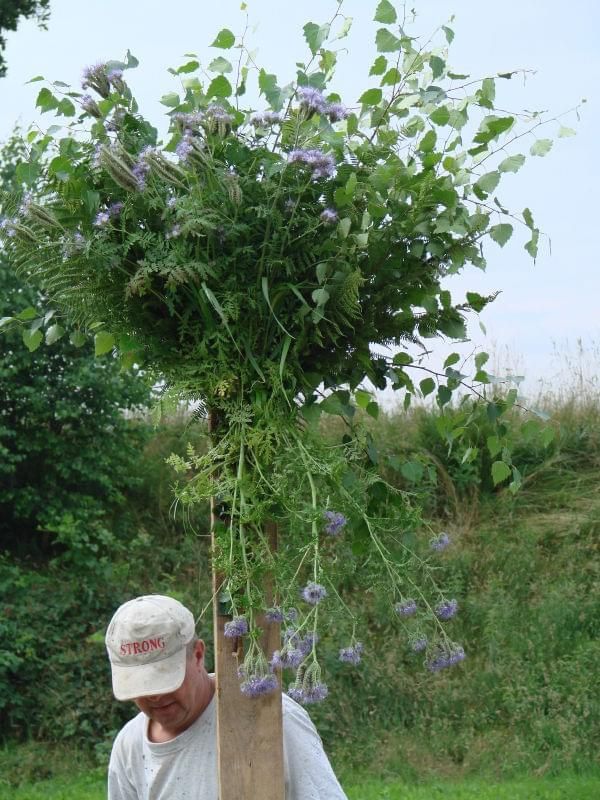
x=249, y=730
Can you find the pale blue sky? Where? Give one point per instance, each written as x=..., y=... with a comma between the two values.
x=554, y=301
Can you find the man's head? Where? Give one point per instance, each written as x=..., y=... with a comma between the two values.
x=147, y=641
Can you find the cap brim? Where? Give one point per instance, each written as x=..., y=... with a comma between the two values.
x=158, y=677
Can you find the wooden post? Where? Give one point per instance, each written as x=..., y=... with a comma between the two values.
x=249, y=730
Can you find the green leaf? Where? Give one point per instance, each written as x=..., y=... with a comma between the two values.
x=449, y=33
x=547, y=437
x=441, y=116
x=77, y=338
x=541, y=147
x=344, y=227
x=386, y=42
x=65, y=108
x=315, y=35
x=5, y=320
x=427, y=143
x=219, y=87
x=476, y=301
x=501, y=233
x=171, y=99
x=427, y=385
x=347, y=24
x=494, y=445
x=528, y=218
x=488, y=182
x=385, y=13
x=373, y=409
x=27, y=314
x=532, y=244
x=103, y=343
x=46, y=100
x=379, y=66
x=221, y=65
x=438, y=65
x=412, y=471
x=371, y=97
x=312, y=414
x=444, y=395
x=500, y=472
x=32, y=339
x=452, y=359
x=362, y=398
x=512, y=163
x=54, y=333
x=402, y=359
x=191, y=66
x=225, y=39
x=564, y=132
x=391, y=77
x=320, y=296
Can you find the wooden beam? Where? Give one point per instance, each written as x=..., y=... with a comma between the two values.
x=249, y=730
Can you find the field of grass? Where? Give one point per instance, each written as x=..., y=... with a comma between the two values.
x=92, y=786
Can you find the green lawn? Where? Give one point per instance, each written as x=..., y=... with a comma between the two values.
x=92, y=786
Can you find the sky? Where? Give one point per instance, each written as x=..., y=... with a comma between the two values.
x=544, y=324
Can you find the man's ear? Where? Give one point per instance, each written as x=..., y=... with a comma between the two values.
x=199, y=653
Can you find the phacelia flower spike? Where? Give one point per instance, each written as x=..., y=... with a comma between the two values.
x=313, y=593
x=238, y=626
x=445, y=656
x=335, y=520
x=439, y=542
x=446, y=609
x=351, y=654
x=406, y=608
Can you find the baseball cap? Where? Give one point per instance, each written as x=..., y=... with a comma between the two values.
x=146, y=642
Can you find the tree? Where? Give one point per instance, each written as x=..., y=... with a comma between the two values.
x=11, y=11
x=66, y=449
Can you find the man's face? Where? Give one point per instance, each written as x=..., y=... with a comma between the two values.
x=175, y=711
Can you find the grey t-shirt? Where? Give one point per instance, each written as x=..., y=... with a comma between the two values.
x=185, y=768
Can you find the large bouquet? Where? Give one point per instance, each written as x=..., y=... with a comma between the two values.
x=261, y=262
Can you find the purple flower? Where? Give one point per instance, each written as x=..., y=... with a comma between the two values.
x=171, y=201
x=296, y=693
x=291, y=614
x=266, y=118
x=115, y=78
x=446, y=609
x=95, y=78
x=101, y=220
x=352, y=654
x=419, y=644
x=445, y=656
x=439, y=542
x=313, y=593
x=274, y=615
x=406, y=608
x=314, y=693
x=329, y=216
x=256, y=685
x=90, y=106
x=185, y=147
x=323, y=164
x=188, y=121
x=287, y=657
x=8, y=226
x=306, y=644
x=238, y=626
x=115, y=209
x=174, y=232
x=312, y=100
x=336, y=112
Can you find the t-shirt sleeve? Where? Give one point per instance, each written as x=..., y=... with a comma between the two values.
x=308, y=773
x=120, y=786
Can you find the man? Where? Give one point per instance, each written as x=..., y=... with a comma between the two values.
x=169, y=750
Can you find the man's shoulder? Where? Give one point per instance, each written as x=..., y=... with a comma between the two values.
x=296, y=718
